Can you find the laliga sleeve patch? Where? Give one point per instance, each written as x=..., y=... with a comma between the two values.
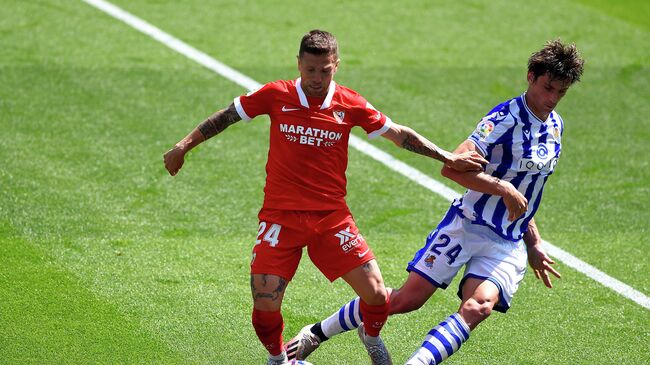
x=484, y=128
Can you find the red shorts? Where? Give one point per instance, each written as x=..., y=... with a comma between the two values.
x=333, y=242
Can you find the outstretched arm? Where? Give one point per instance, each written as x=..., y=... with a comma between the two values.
x=537, y=257
x=409, y=139
x=515, y=202
x=215, y=124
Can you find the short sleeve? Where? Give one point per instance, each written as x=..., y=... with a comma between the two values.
x=490, y=129
x=374, y=122
x=256, y=102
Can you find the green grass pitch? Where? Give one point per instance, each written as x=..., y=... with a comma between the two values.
x=105, y=259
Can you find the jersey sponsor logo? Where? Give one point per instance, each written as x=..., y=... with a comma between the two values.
x=339, y=115
x=537, y=166
x=285, y=109
x=310, y=136
x=348, y=240
x=542, y=151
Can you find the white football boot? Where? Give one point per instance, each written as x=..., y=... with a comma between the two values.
x=303, y=344
x=376, y=348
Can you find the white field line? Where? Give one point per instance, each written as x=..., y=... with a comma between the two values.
x=359, y=144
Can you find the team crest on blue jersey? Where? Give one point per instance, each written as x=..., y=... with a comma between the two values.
x=485, y=127
x=339, y=115
x=429, y=261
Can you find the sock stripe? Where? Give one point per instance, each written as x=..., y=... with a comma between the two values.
x=444, y=342
x=461, y=326
x=456, y=339
x=351, y=314
x=342, y=318
x=357, y=313
x=434, y=351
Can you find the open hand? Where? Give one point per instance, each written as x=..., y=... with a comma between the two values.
x=467, y=161
x=541, y=264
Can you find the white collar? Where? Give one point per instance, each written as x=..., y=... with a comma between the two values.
x=328, y=97
x=530, y=112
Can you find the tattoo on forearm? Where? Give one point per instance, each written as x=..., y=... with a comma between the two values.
x=496, y=180
x=423, y=147
x=219, y=121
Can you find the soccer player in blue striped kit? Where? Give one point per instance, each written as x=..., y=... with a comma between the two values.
x=490, y=230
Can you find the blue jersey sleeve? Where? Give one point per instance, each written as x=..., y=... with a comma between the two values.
x=493, y=126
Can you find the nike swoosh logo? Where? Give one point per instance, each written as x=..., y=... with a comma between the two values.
x=363, y=253
x=285, y=109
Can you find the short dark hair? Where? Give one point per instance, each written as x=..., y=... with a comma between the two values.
x=560, y=61
x=319, y=42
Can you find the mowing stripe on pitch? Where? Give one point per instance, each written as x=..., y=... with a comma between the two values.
x=359, y=144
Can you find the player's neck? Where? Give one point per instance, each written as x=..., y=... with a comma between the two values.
x=541, y=116
x=320, y=95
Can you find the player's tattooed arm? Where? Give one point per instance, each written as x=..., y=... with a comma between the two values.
x=215, y=124
x=409, y=139
x=219, y=121
x=418, y=144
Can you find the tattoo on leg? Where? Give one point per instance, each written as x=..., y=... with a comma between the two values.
x=219, y=121
x=274, y=295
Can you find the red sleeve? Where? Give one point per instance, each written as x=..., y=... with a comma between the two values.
x=374, y=122
x=257, y=102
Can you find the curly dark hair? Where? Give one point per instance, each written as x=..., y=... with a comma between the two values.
x=319, y=42
x=560, y=61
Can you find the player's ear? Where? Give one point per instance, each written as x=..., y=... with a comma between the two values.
x=336, y=64
x=531, y=77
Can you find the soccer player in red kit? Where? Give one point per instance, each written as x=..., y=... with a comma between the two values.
x=304, y=196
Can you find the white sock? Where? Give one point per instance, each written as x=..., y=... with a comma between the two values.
x=282, y=356
x=345, y=319
x=441, y=342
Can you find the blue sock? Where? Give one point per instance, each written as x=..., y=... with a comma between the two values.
x=441, y=342
x=345, y=319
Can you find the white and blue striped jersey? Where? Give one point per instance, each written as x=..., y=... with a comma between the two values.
x=521, y=149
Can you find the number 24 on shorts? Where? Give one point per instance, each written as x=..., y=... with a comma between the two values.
x=271, y=235
x=451, y=253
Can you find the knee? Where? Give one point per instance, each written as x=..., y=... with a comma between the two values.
x=475, y=310
x=377, y=296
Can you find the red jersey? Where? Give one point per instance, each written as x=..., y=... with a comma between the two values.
x=308, y=152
